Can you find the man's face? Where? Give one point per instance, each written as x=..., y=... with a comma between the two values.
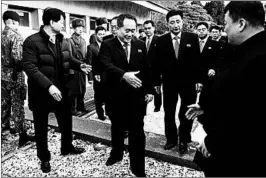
x=104, y=25
x=58, y=26
x=215, y=34
x=202, y=31
x=149, y=29
x=100, y=35
x=79, y=30
x=175, y=24
x=231, y=29
x=114, y=27
x=126, y=32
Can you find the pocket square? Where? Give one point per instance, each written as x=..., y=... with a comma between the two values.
x=188, y=45
x=139, y=51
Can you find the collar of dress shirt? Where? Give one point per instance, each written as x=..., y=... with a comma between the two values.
x=99, y=44
x=204, y=40
x=122, y=43
x=174, y=36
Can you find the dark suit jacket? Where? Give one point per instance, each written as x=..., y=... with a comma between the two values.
x=108, y=37
x=208, y=58
x=151, y=53
x=181, y=70
x=92, y=55
x=232, y=118
x=113, y=60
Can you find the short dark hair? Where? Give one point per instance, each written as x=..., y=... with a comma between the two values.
x=173, y=13
x=10, y=15
x=149, y=21
x=252, y=11
x=99, y=28
x=216, y=27
x=53, y=14
x=203, y=23
x=114, y=18
x=101, y=20
x=122, y=17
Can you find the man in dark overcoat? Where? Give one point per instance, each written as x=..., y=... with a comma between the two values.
x=77, y=82
x=232, y=111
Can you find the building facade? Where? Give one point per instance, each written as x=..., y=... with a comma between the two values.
x=31, y=13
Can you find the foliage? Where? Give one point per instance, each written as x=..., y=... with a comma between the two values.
x=193, y=13
x=216, y=10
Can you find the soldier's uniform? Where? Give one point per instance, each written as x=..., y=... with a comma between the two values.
x=77, y=84
x=13, y=88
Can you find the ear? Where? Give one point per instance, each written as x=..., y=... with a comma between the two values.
x=242, y=24
x=51, y=22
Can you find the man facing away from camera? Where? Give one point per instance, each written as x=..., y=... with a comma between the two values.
x=232, y=110
x=46, y=61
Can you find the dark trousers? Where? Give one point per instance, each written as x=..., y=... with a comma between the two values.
x=157, y=100
x=129, y=115
x=188, y=96
x=98, y=98
x=63, y=115
x=78, y=102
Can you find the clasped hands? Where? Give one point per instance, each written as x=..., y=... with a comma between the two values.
x=135, y=82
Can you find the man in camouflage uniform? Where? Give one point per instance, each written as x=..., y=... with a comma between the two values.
x=13, y=88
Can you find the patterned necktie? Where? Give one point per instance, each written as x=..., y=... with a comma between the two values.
x=176, y=47
x=148, y=43
x=201, y=45
x=125, y=45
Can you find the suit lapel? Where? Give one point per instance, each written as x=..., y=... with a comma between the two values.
x=133, y=51
x=120, y=49
x=208, y=42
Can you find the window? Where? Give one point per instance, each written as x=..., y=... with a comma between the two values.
x=92, y=23
x=24, y=15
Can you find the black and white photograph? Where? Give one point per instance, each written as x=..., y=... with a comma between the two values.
x=133, y=88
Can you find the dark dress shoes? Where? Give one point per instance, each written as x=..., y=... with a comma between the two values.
x=169, y=146
x=138, y=173
x=24, y=138
x=45, y=166
x=73, y=151
x=111, y=161
x=102, y=118
x=183, y=148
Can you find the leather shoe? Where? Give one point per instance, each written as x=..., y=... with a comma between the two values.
x=103, y=118
x=73, y=151
x=110, y=161
x=169, y=146
x=24, y=138
x=45, y=166
x=183, y=148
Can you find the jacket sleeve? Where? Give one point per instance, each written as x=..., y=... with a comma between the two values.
x=156, y=65
x=107, y=64
x=74, y=63
x=30, y=65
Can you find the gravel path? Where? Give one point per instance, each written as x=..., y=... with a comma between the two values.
x=89, y=164
x=25, y=163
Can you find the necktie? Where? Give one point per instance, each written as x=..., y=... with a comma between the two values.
x=176, y=47
x=201, y=45
x=148, y=43
x=126, y=49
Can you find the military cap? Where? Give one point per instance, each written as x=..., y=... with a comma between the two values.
x=10, y=15
x=77, y=23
